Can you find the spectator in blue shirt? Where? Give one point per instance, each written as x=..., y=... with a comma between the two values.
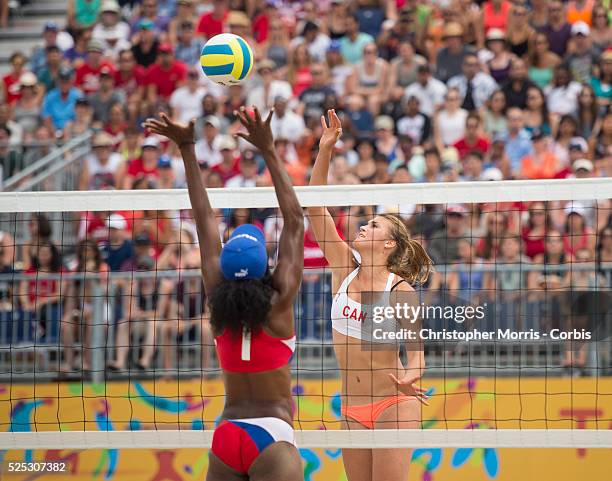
x=59, y=103
x=38, y=59
x=351, y=45
x=517, y=139
x=188, y=47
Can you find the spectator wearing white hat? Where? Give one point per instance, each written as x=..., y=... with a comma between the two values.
x=101, y=166
x=577, y=233
x=230, y=162
x=26, y=111
x=146, y=166
x=207, y=148
x=110, y=26
x=582, y=57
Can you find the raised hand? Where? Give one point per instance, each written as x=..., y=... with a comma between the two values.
x=259, y=132
x=331, y=133
x=180, y=134
x=409, y=387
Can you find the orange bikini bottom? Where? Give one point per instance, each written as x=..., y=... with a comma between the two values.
x=367, y=414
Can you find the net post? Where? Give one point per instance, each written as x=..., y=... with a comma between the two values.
x=97, y=334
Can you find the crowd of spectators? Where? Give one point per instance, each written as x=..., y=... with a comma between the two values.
x=430, y=91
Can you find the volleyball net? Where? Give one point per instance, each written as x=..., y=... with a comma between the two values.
x=103, y=311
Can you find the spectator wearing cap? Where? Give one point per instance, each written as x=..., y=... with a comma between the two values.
x=118, y=250
x=313, y=98
x=167, y=177
x=146, y=165
x=111, y=27
x=413, y=122
x=230, y=162
x=285, y=122
x=577, y=234
x=38, y=59
x=517, y=85
x=263, y=95
x=106, y=96
x=449, y=60
x=316, y=42
x=185, y=13
x=386, y=142
x=370, y=79
x=165, y=76
x=354, y=41
x=47, y=76
x=83, y=119
x=247, y=176
x=562, y=94
x=101, y=166
x=602, y=84
x=582, y=57
x=429, y=91
x=443, y=246
x=150, y=11
x=59, y=103
x=186, y=101
x=558, y=31
x=88, y=74
x=207, y=148
x=475, y=86
x=213, y=22
x=542, y=163
x=146, y=47
x=26, y=111
x=187, y=46
x=473, y=140
x=130, y=77
x=82, y=13
x=517, y=140
x=577, y=148
x=339, y=70
x=583, y=169
x=11, y=79
x=403, y=32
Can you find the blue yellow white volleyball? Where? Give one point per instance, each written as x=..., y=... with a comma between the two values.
x=226, y=59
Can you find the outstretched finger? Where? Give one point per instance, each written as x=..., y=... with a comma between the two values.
x=241, y=114
x=153, y=123
x=269, y=117
x=335, y=120
x=165, y=118
x=257, y=114
x=323, y=122
x=243, y=136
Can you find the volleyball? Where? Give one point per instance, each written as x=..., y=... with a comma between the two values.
x=226, y=59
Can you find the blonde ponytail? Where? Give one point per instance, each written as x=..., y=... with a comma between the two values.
x=409, y=260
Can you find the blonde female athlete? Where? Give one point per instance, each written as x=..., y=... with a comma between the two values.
x=378, y=391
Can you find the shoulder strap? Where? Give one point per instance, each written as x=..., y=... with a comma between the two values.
x=347, y=280
x=397, y=283
x=389, y=282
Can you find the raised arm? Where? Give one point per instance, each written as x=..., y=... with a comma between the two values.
x=336, y=251
x=208, y=233
x=288, y=272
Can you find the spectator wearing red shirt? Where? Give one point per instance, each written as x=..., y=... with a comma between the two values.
x=230, y=163
x=88, y=74
x=11, y=80
x=213, y=23
x=144, y=166
x=165, y=76
x=261, y=23
x=473, y=141
x=41, y=297
x=130, y=77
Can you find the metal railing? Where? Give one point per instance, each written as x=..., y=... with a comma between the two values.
x=178, y=341
x=36, y=175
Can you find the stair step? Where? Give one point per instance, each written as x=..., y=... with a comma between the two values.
x=39, y=8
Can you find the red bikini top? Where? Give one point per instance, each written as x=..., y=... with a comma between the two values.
x=253, y=351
